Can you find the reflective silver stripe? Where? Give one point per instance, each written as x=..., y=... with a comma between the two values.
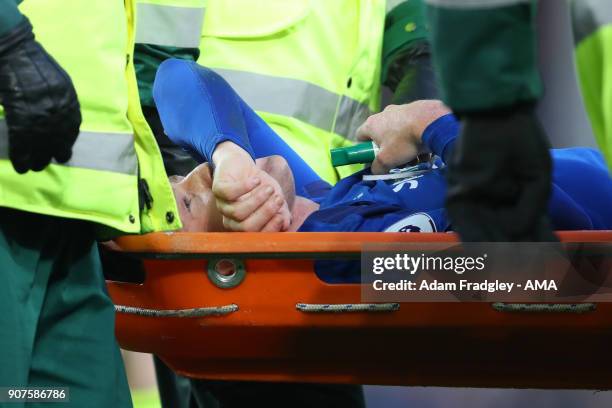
x=588, y=16
x=298, y=99
x=169, y=26
x=350, y=116
x=477, y=4
x=92, y=150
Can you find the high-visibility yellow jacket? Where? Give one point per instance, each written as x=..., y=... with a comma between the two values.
x=310, y=68
x=115, y=152
x=164, y=29
x=592, y=23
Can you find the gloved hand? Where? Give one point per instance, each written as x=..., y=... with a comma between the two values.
x=40, y=103
x=499, y=178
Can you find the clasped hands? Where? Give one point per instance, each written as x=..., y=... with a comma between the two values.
x=248, y=197
x=251, y=200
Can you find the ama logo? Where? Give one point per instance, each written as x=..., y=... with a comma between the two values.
x=418, y=222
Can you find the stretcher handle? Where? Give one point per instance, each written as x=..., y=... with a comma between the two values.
x=195, y=312
x=545, y=307
x=347, y=307
x=183, y=245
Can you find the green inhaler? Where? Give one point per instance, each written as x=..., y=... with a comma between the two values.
x=360, y=153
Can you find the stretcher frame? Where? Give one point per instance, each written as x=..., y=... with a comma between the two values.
x=281, y=323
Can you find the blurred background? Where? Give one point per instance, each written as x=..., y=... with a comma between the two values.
x=144, y=393
x=563, y=115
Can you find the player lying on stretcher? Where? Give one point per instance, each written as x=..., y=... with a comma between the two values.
x=260, y=184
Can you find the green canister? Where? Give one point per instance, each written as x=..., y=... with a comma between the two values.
x=360, y=153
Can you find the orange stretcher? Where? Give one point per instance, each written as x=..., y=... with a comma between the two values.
x=272, y=319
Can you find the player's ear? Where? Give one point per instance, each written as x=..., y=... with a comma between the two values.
x=199, y=178
x=175, y=179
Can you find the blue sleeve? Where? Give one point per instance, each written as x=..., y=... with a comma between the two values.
x=195, y=109
x=266, y=142
x=581, y=190
x=199, y=110
x=440, y=136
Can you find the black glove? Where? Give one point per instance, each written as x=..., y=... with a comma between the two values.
x=499, y=178
x=40, y=103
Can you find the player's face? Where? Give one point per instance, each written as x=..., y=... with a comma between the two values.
x=196, y=202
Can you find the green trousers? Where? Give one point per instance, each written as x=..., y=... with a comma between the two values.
x=57, y=321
